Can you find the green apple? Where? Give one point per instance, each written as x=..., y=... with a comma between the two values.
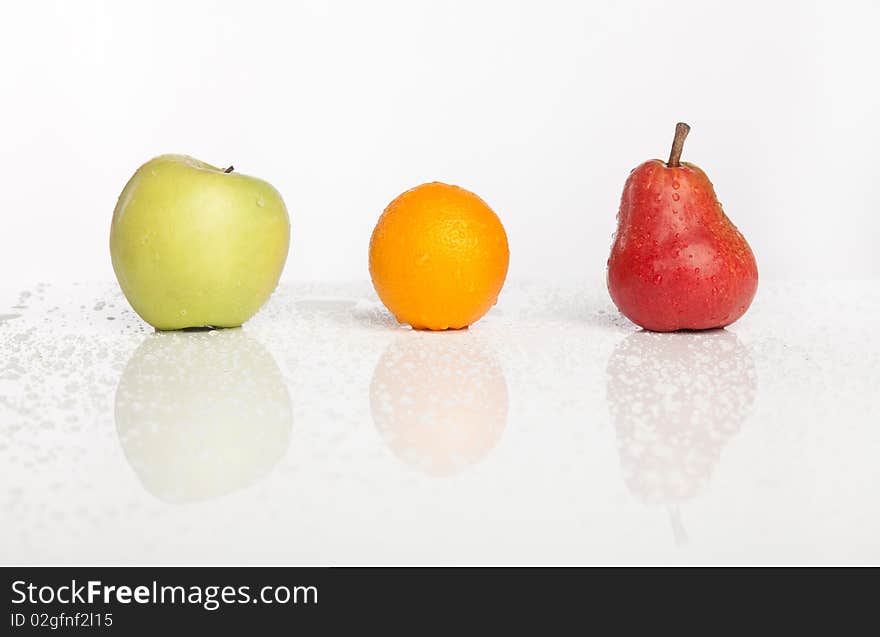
x=194, y=245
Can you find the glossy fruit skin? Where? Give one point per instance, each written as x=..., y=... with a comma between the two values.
x=193, y=246
x=677, y=261
x=438, y=257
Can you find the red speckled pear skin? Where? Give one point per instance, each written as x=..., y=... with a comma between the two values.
x=677, y=261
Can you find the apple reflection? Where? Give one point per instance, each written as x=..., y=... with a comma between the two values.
x=676, y=400
x=439, y=400
x=201, y=414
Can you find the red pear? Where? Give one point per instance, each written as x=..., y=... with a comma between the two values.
x=677, y=261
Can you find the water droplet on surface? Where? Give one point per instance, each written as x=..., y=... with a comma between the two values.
x=261, y=202
x=675, y=196
x=675, y=184
x=657, y=279
x=696, y=270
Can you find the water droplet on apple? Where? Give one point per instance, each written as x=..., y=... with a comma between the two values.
x=675, y=184
x=154, y=172
x=261, y=202
x=696, y=270
x=675, y=196
x=657, y=279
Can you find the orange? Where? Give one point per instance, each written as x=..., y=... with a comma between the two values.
x=438, y=257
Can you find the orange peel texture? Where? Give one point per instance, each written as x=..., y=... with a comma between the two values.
x=438, y=257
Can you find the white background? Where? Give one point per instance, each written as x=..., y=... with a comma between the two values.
x=763, y=437
x=541, y=108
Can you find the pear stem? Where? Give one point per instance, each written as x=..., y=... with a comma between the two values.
x=231, y=168
x=681, y=132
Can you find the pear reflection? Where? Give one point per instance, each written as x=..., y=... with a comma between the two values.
x=676, y=400
x=439, y=400
x=201, y=414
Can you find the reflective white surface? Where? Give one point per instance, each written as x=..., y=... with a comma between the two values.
x=552, y=431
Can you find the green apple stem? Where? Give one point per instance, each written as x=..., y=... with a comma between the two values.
x=231, y=168
x=681, y=132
